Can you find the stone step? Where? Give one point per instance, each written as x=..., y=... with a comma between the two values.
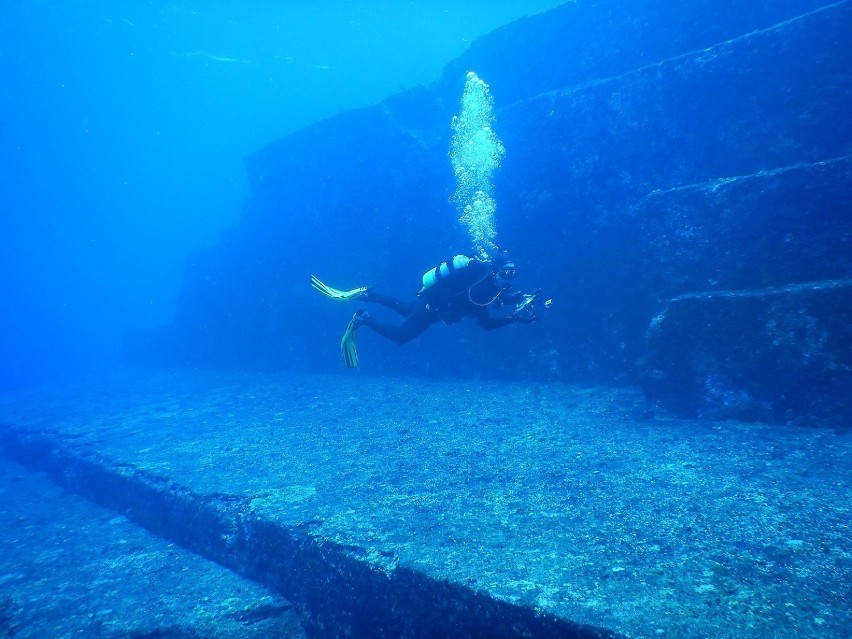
x=70, y=568
x=778, y=354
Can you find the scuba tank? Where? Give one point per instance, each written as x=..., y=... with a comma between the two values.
x=444, y=269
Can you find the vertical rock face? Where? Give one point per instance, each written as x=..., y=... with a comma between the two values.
x=769, y=336
x=779, y=354
x=653, y=151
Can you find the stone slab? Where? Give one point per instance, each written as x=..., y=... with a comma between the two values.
x=408, y=505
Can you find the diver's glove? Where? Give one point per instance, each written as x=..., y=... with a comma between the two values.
x=525, y=312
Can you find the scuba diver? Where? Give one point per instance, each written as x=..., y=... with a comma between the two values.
x=458, y=288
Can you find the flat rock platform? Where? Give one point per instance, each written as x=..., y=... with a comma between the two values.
x=70, y=568
x=421, y=508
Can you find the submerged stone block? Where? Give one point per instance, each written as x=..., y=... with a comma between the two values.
x=778, y=346
x=769, y=229
x=781, y=354
x=581, y=162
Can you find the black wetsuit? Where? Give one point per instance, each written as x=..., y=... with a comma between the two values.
x=467, y=292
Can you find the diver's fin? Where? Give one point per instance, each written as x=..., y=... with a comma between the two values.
x=348, y=347
x=334, y=294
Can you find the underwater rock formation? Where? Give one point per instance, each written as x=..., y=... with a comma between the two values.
x=653, y=151
x=765, y=332
x=770, y=355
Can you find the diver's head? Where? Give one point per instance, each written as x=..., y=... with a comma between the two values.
x=504, y=268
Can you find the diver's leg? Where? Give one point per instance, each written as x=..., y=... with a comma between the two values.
x=398, y=306
x=414, y=325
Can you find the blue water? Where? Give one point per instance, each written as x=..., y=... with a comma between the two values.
x=123, y=128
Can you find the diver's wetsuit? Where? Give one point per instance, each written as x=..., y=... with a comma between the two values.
x=467, y=293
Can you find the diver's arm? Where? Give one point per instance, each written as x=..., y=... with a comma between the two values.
x=489, y=322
